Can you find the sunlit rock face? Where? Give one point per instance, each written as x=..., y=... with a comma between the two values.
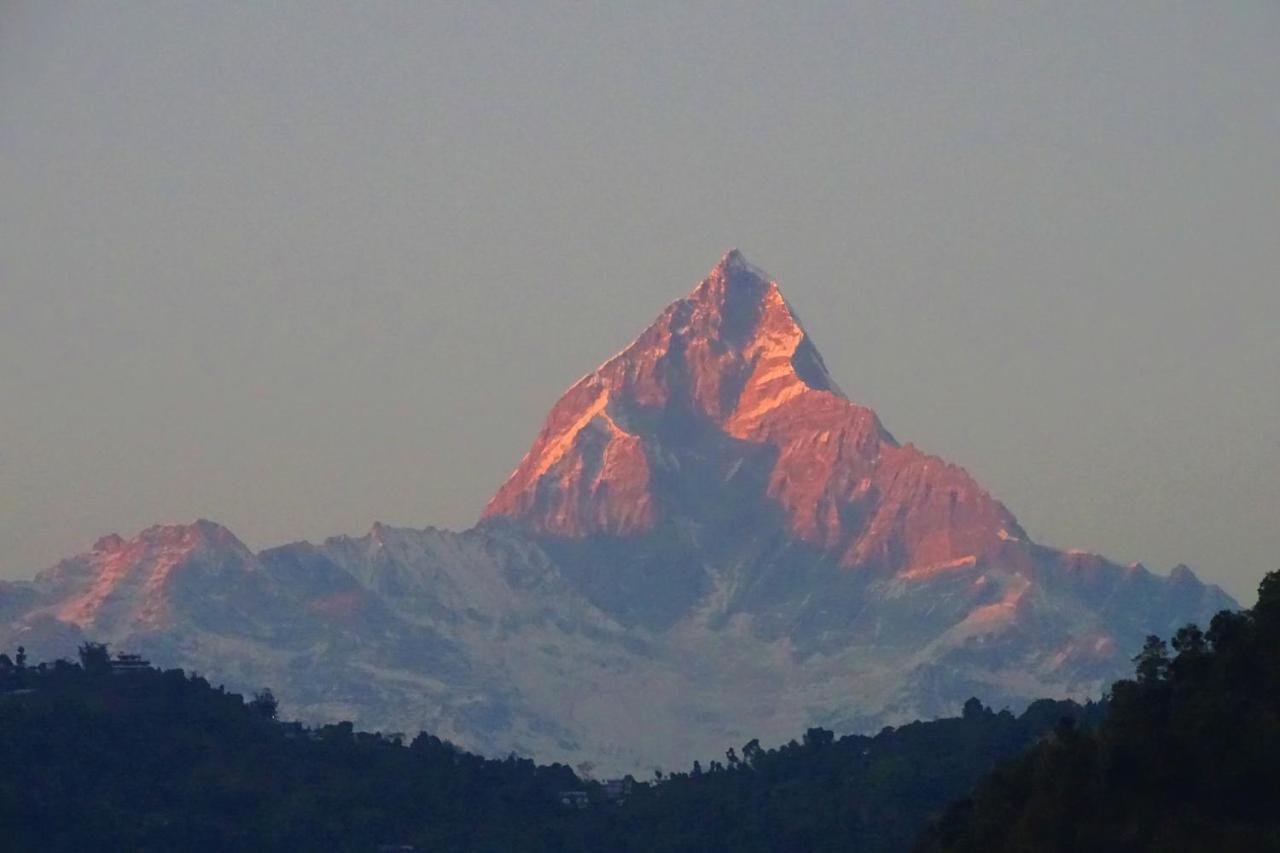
x=708, y=542
x=724, y=394
x=141, y=583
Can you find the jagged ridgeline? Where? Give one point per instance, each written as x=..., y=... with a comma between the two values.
x=708, y=541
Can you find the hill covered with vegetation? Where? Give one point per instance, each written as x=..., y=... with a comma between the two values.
x=827, y=794
x=1187, y=758
x=114, y=755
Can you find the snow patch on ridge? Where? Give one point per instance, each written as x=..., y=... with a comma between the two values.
x=767, y=404
x=556, y=449
x=967, y=562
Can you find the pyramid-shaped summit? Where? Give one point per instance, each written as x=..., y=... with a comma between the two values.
x=725, y=402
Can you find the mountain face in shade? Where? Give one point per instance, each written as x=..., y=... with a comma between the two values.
x=707, y=542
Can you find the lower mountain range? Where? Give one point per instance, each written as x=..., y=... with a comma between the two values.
x=708, y=542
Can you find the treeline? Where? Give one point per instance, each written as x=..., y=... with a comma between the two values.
x=1187, y=758
x=98, y=756
x=148, y=760
x=830, y=794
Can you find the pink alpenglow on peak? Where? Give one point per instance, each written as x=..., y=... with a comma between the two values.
x=131, y=580
x=727, y=382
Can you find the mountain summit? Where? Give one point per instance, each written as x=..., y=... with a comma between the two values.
x=707, y=542
x=725, y=395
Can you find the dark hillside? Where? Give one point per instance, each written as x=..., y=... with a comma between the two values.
x=1188, y=758
x=104, y=755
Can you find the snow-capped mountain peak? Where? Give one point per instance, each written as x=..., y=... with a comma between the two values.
x=708, y=541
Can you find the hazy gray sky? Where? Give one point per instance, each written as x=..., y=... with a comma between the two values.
x=297, y=267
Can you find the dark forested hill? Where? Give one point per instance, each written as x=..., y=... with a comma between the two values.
x=99, y=756
x=827, y=794
x=1188, y=758
x=145, y=760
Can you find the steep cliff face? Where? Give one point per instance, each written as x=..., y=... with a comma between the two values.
x=725, y=393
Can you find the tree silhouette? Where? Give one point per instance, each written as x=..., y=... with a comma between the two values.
x=264, y=703
x=94, y=658
x=1153, y=661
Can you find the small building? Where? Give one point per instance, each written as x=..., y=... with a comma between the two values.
x=128, y=664
x=574, y=799
x=617, y=790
